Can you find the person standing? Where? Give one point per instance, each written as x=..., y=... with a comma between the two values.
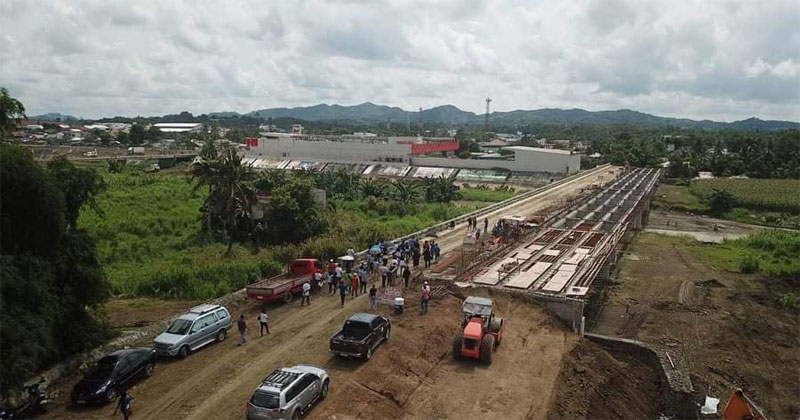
x=318, y=281
x=363, y=279
x=263, y=319
x=342, y=291
x=485, y=225
x=241, y=325
x=425, y=296
x=426, y=255
x=373, y=297
x=354, y=285
x=406, y=275
x=331, y=276
x=436, y=251
x=415, y=256
x=339, y=275
x=384, y=274
x=306, y=294
x=124, y=405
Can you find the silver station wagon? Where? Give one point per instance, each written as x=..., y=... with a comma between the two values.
x=194, y=329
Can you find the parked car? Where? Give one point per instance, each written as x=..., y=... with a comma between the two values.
x=113, y=373
x=360, y=335
x=194, y=329
x=152, y=168
x=288, y=393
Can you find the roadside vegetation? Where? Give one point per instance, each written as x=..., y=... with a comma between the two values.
x=152, y=241
x=767, y=202
x=52, y=287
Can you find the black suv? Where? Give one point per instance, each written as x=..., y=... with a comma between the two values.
x=360, y=335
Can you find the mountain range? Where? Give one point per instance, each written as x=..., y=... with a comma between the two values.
x=369, y=113
x=446, y=114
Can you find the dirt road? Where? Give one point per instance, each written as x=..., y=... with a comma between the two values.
x=412, y=376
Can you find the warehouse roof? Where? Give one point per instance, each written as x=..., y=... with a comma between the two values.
x=537, y=149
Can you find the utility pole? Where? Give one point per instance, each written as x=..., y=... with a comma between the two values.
x=486, y=119
x=419, y=132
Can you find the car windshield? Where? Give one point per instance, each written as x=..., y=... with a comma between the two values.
x=102, y=369
x=355, y=329
x=265, y=400
x=180, y=327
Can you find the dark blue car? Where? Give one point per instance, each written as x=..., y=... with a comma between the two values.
x=112, y=374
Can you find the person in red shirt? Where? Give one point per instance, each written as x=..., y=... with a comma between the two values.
x=354, y=285
x=426, y=295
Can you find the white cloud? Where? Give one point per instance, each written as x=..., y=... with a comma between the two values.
x=692, y=59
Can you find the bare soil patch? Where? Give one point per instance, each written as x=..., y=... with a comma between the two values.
x=594, y=384
x=731, y=326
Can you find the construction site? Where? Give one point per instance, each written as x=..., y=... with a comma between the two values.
x=543, y=257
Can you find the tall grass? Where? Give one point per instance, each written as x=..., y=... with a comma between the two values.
x=781, y=195
x=149, y=245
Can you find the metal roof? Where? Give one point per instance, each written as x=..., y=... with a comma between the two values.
x=537, y=149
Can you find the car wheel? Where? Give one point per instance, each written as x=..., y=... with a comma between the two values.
x=324, y=392
x=111, y=395
x=149, y=369
x=368, y=354
x=388, y=334
x=183, y=352
x=287, y=297
x=296, y=415
x=221, y=335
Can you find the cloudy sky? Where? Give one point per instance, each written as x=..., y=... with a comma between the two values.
x=722, y=60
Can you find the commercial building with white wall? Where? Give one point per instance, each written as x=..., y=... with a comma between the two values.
x=404, y=151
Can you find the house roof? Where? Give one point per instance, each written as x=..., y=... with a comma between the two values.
x=494, y=143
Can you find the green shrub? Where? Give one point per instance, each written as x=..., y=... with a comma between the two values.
x=790, y=301
x=749, y=265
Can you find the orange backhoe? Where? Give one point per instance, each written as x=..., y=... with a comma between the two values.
x=739, y=407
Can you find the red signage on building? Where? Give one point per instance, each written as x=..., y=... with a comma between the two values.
x=439, y=146
x=252, y=141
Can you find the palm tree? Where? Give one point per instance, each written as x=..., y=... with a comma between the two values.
x=370, y=188
x=406, y=194
x=11, y=111
x=230, y=189
x=440, y=189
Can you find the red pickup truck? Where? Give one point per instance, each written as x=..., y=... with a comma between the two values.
x=284, y=286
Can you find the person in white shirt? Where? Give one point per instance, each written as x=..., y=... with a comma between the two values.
x=318, y=279
x=306, y=294
x=263, y=319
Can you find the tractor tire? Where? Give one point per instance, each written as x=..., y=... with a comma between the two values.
x=487, y=348
x=496, y=325
x=458, y=342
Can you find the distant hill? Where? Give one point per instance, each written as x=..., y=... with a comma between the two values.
x=369, y=113
x=53, y=116
x=446, y=114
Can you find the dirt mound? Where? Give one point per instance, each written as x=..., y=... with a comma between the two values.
x=594, y=384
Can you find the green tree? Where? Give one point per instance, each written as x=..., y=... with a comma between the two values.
x=153, y=133
x=79, y=185
x=11, y=112
x=136, y=135
x=230, y=191
x=51, y=279
x=292, y=215
x=721, y=201
x=406, y=194
x=370, y=188
x=209, y=149
x=440, y=189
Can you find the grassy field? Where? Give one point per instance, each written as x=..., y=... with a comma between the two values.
x=779, y=195
x=752, y=204
x=773, y=253
x=148, y=241
x=486, y=195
